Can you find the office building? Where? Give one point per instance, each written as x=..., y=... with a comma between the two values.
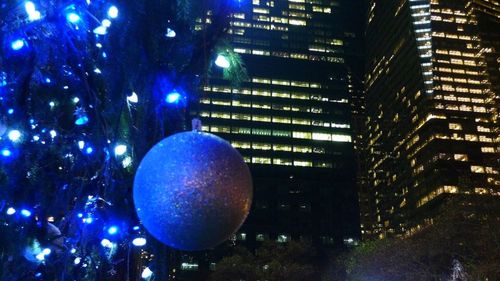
x=291, y=119
x=432, y=108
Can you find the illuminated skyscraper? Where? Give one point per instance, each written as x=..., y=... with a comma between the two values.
x=432, y=119
x=291, y=120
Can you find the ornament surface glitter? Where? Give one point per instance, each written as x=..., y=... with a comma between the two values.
x=192, y=191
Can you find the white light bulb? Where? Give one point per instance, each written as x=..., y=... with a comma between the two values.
x=133, y=98
x=14, y=135
x=120, y=149
x=146, y=273
x=113, y=12
x=139, y=241
x=222, y=62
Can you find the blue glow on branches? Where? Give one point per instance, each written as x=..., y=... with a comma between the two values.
x=17, y=44
x=113, y=12
x=173, y=97
x=89, y=150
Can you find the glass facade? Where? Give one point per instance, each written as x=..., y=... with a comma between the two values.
x=432, y=124
x=291, y=119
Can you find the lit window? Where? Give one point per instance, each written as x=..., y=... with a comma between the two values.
x=299, y=163
x=237, y=116
x=301, y=122
x=455, y=126
x=261, y=132
x=261, y=146
x=302, y=135
x=261, y=160
x=236, y=130
x=279, y=133
x=302, y=149
x=341, y=138
x=222, y=115
x=282, y=147
x=240, y=144
x=470, y=137
x=261, y=118
x=282, y=162
x=241, y=103
x=461, y=157
x=220, y=129
x=488, y=149
x=322, y=136
x=477, y=169
x=284, y=120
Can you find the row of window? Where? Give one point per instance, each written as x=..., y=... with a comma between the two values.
x=459, y=98
x=300, y=56
x=277, y=147
x=287, y=162
x=281, y=133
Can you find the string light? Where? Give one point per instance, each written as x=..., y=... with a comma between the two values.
x=173, y=97
x=14, y=135
x=113, y=230
x=6, y=152
x=11, y=211
x=73, y=17
x=113, y=12
x=120, y=149
x=222, y=62
x=139, y=242
x=17, y=44
x=146, y=273
x=25, y=213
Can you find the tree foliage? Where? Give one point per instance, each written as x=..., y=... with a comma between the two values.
x=272, y=262
x=464, y=231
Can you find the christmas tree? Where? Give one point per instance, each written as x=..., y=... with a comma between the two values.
x=87, y=87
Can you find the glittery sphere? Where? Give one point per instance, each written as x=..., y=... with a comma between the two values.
x=192, y=191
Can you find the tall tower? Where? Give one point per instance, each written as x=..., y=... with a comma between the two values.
x=291, y=120
x=431, y=111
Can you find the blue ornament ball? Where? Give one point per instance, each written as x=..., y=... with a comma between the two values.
x=192, y=191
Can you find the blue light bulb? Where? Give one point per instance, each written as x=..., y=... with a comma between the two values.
x=25, y=213
x=89, y=150
x=73, y=17
x=6, y=152
x=81, y=120
x=173, y=97
x=17, y=44
x=113, y=230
